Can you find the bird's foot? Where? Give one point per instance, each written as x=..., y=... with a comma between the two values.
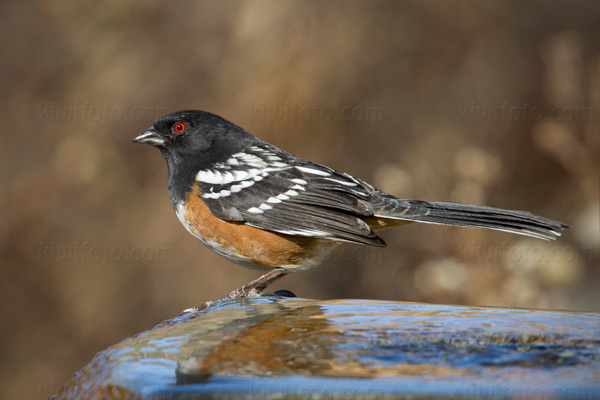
x=251, y=289
x=255, y=288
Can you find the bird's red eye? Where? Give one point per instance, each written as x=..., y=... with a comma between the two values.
x=179, y=127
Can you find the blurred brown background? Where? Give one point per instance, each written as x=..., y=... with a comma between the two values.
x=494, y=103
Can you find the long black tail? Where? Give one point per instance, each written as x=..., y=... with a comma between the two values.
x=519, y=222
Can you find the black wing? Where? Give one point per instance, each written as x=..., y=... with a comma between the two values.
x=270, y=189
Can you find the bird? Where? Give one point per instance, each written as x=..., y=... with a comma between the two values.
x=263, y=208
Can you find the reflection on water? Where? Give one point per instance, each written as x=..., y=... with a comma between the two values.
x=281, y=347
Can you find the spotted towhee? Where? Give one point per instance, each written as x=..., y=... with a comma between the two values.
x=261, y=207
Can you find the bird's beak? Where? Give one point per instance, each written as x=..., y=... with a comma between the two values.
x=150, y=136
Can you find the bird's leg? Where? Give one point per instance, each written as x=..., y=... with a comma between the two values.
x=250, y=289
x=254, y=288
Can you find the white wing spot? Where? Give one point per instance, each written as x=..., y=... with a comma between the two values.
x=305, y=232
x=245, y=184
x=211, y=195
x=291, y=193
x=251, y=160
x=345, y=183
x=283, y=197
x=313, y=171
x=240, y=175
x=214, y=177
x=264, y=206
x=255, y=210
x=299, y=181
x=205, y=176
x=298, y=187
x=235, y=188
x=273, y=200
x=228, y=177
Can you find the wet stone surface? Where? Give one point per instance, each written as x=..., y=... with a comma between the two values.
x=274, y=347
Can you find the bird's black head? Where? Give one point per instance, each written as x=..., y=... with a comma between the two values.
x=195, y=133
x=192, y=140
